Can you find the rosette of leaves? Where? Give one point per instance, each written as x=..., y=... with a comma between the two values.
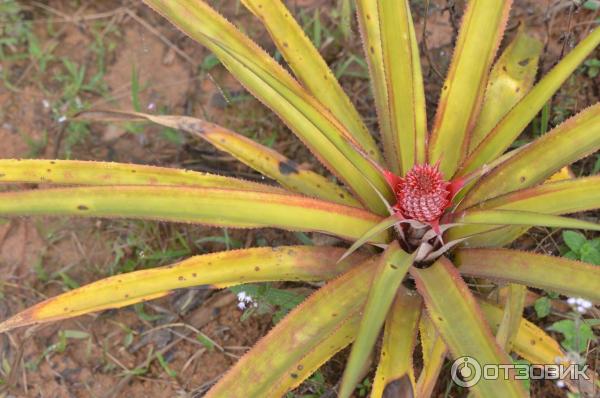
x=436, y=206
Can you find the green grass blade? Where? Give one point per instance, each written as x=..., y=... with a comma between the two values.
x=391, y=269
x=457, y=317
x=216, y=270
x=555, y=274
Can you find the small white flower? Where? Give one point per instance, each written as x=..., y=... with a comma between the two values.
x=45, y=104
x=151, y=106
x=62, y=119
x=560, y=384
x=586, y=304
x=579, y=304
x=245, y=301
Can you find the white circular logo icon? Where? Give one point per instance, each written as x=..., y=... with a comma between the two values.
x=466, y=371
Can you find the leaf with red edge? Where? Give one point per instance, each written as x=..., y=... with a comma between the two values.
x=455, y=313
x=217, y=270
x=555, y=274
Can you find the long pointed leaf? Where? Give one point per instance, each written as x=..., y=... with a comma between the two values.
x=577, y=137
x=515, y=217
x=310, y=68
x=552, y=198
x=376, y=230
x=395, y=370
x=391, y=269
x=217, y=270
x=555, y=274
x=370, y=29
x=264, y=370
x=76, y=172
x=511, y=319
x=271, y=84
x=262, y=159
x=211, y=206
x=434, y=353
x=510, y=79
x=404, y=82
x=457, y=317
x=530, y=342
x=519, y=117
x=462, y=94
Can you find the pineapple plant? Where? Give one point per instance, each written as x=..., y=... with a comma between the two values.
x=436, y=206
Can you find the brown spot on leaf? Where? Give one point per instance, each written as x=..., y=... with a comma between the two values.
x=82, y=207
x=524, y=62
x=288, y=167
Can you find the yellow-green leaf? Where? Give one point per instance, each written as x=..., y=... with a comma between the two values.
x=511, y=319
x=404, y=83
x=265, y=372
x=262, y=159
x=530, y=342
x=577, y=137
x=76, y=172
x=515, y=217
x=462, y=93
x=434, y=353
x=370, y=29
x=390, y=272
x=555, y=274
x=457, y=317
x=549, y=198
x=212, y=206
x=511, y=78
x=269, y=82
x=395, y=370
x=217, y=270
x=310, y=68
x=521, y=114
